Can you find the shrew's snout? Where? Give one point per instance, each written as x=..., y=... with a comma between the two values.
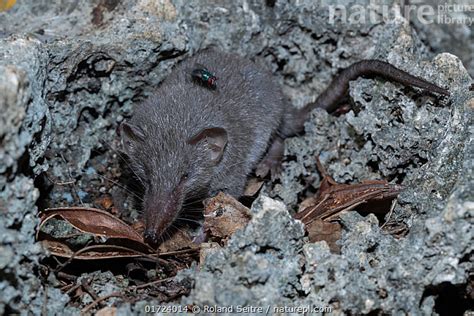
x=158, y=219
x=151, y=236
x=160, y=213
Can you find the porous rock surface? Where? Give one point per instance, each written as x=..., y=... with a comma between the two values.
x=70, y=73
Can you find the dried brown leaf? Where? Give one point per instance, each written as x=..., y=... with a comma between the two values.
x=253, y=186
x=92, y=221
x=223, y=216
x=95, y=252
x=107, y=311
x=179, y=240
x=105, y=201
x=330, y=232
x=334, y=199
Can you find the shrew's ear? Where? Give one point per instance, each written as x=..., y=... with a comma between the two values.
x=216, y=140
x=130, y=134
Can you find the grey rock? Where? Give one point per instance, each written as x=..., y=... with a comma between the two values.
x=449, y=29
x=71, y=71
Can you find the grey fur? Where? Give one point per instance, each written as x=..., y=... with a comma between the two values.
x=247, y=103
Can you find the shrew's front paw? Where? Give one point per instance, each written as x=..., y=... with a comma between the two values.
x=272, y=161
x=269, y=164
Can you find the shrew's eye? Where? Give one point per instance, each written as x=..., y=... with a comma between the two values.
x=184, y=177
